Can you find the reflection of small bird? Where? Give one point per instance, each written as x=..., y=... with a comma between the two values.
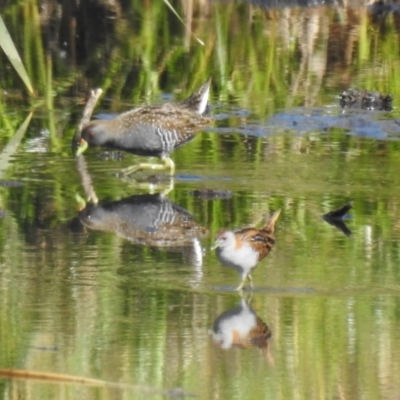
x=151, y=131
x=240, y=327
x=340, y=212
x=243, y=249
x=336, y=217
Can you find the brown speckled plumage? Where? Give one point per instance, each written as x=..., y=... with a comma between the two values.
x=148, y=219
x=153, y=130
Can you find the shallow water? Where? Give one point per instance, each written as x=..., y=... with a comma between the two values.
x=136, y=302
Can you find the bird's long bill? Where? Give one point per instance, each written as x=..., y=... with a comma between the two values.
x=83, y=145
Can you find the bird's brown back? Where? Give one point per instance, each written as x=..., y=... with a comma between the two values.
x=169, y=116
x=262, y=240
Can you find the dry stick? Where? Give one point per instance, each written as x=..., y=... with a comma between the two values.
x=80, y=160
x=72, y=379
x=88, y=110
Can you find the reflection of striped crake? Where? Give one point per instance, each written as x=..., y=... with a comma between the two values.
x=151, y=131
x=145, y=219
x=167, y=214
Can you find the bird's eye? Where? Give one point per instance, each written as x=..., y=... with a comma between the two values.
x=91, y=134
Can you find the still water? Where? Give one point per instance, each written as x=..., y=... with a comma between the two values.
x=127, y=291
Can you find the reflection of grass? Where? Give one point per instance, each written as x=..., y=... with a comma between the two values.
x=12, y=146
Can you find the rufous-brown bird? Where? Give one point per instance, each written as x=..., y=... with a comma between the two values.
x=243, y=249
x=153, y=131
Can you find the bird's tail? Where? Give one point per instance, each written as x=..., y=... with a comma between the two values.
x=198, y=101
x=270, y=225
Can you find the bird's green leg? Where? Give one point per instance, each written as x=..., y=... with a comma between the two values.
x=250, y=279
x=168, y=163
x=240, y=287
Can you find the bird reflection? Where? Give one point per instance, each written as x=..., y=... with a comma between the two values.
x=148, y=219
x=335, y=218
x=240, y=327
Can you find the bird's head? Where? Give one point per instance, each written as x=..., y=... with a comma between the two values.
x=93, y=134
x=224, y=238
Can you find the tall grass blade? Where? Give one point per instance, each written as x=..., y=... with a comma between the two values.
x=11, y=52
x=180, y=19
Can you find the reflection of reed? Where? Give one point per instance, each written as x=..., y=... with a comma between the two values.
x=86, y=179
x=313, y=64
x=240, y=327
x=80, y=161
